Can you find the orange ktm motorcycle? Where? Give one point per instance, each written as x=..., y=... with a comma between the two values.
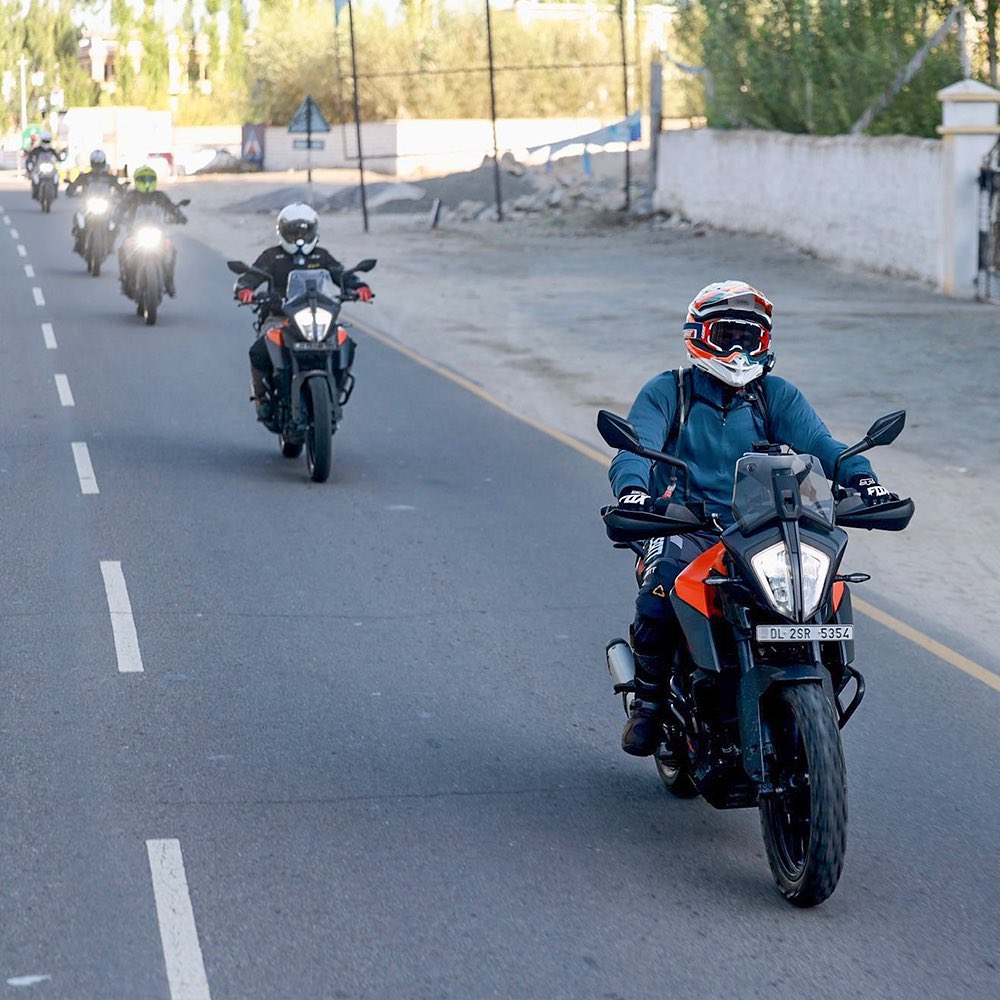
x=757, y=696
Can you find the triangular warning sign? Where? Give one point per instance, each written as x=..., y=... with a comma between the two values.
x=658, y=591
x=309, y=118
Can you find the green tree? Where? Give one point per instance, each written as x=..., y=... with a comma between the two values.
x=815, y=65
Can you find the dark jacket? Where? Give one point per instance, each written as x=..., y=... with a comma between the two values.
x=722, y=425
x=39, y=155
x=278, y=263
x=134, y=200
x=92, y=178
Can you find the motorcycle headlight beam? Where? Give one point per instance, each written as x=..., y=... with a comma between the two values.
x=97, y=206
x=314, y=325
x=773, y=570
x=148, y=238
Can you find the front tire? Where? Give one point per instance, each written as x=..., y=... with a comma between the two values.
x=804, y=822
x=319, y=436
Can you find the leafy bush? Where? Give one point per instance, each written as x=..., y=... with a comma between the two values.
x=816, y=65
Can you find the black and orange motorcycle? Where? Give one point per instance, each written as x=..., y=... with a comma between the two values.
x=757, y=696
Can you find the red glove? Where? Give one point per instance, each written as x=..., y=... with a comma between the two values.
x=364, y=293
x=245, y=295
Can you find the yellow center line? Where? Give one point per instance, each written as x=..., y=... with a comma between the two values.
x=950, y=656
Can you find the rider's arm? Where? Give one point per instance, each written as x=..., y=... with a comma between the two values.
x=795, y=423
x=651, y=415
x=264, y=262
x=336, y=270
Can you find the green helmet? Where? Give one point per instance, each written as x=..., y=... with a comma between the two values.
x=144, y=179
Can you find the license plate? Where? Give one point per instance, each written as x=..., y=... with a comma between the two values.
x=804, y=633
x=311, y=345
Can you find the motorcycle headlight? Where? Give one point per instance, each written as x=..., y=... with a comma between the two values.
x=97, y=206
x=45, y=168
x=149, y=237
x=774, y=572
x=314, y=328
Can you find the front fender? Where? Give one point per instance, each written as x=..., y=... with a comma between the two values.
x=298, y=385
x=754, y=684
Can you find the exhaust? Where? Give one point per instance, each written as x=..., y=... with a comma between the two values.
x=621, y=666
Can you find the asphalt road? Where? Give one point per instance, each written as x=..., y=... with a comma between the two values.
x=372, y=749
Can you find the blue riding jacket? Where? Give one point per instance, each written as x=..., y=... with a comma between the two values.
x=721, y=426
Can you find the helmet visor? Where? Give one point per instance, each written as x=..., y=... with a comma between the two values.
x=293, y=230
x=728, y=335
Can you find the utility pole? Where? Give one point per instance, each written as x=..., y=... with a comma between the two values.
x=357, y=117
x=23, y=63
x=628, y=163
x=493, y=114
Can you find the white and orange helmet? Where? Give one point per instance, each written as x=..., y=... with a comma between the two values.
x=728, y=332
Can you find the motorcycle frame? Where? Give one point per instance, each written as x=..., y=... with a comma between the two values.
x=300, y=366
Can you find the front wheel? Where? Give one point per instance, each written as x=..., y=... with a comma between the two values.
x=804, y=820
x=319, y=436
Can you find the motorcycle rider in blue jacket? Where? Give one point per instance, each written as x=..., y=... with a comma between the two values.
x=708, y=417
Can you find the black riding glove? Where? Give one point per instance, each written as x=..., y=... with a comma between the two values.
x=871, y=492
x=635, y=498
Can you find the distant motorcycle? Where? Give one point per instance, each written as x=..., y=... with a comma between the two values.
x=96, y=223
x=147, y=250
x=312, y=356
x=46, y=180
x=755, y=704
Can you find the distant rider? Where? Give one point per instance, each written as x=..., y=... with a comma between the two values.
x=42, y=153
x=144, y=195
x=93, y=181
x=297, y=227
x=731, y=403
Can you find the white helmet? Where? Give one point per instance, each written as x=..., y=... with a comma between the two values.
x=728, y=332
x=298, y=228
x=45, y=139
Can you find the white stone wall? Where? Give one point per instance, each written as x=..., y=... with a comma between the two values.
x=423, y=147
x=873, y=202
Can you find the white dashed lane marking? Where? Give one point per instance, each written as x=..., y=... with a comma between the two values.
x=49, y=336
x=84, y=468
x=39, y=298
x=21, y=250
x=178, y=933
x=65, y=393
x=122, y=622
x=14, y=234
x=6, y=220
x=29, y=271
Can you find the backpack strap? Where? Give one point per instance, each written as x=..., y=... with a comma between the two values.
x=681, y=406
x=758, y=398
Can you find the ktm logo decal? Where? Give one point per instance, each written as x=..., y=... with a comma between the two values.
x=659, y=591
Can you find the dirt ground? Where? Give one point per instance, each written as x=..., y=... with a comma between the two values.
x=560, y=312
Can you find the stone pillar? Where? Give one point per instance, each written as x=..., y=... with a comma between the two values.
x=969, y=130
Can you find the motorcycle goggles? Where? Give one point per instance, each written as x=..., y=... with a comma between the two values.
x=723, y=337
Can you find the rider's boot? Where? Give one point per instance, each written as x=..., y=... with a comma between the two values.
x=260, y=396
x=643, y=732
x=168, y=280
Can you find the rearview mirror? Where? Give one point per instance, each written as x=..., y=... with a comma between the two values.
x=617, y=431
x=237, y=266
x=886, y=429
x=186, y=201
x=366, y=265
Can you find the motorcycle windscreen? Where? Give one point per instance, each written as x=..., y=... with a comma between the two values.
x=311, y=281
x=784, y=487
